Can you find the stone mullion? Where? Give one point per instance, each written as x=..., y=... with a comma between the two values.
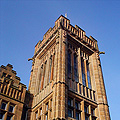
x=10, y=91
x=72, y=61
x=90, y=117
x=13, y=92
x=1, y=87
x=79, y=67
x=4, y=87
x=16, y=94
x=83, y=112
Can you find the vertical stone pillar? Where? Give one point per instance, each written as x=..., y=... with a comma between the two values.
x=79, y=66
x=100, y=89
x=82, y=113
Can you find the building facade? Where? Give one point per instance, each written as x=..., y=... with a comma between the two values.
x=12, y=94
x=66, y=81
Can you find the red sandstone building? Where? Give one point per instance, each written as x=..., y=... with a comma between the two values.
x=66, y=81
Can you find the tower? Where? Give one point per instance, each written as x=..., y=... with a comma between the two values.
x=66, y=79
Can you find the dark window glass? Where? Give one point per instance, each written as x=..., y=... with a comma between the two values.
x=70, y=102
x=3, y=106
x=77, y=116
x=88, y=75
x=75, y=68
x=77, y=105
x=86, y=109
x=86, y=117
x=69, y=64
x=83, y=72
x=9, y=118
x=70, y=113
x=11, y=108
x=1, y=116
x=93, y=112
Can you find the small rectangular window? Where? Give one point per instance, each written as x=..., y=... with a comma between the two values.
x=3, y=106
x=86, y=109
x=70, y=113
x=78, y=116
x=9, y=117
x=1, y=116
x=11, y=108
x=77, y=105
x=70, y=102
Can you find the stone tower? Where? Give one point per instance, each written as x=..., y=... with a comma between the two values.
x=66, y=81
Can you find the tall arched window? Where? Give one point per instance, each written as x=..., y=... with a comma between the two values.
x=69, y=64
x=75, y=68
x=83, y=72
x=88, y=75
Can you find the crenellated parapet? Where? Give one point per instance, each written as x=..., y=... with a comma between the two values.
x=73, y=31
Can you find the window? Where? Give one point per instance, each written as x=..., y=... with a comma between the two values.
x=75, y=68
x=88, y=75
x=70, y=107
x=3, y=106
x=93, y=111
x=83, y=72
x=11, y=108
x=50, y=69
x=1, y=116
x=70, y=102
x=70, y=112
x=78, y=116
x=77, y=105
x=86, y=109
x=9, y=117
x=69, y=64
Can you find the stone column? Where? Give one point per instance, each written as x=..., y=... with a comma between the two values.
x=100, y=89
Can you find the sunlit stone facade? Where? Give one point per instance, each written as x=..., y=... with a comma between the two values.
x=12, y=94
x=66, y=81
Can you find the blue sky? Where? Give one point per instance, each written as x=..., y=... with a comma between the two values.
x=23, y=24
